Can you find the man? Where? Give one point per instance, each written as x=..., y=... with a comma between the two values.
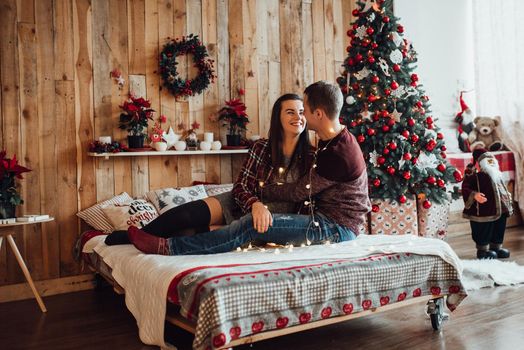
x=335, y=192
x=487, y=204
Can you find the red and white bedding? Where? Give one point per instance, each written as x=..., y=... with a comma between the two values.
x=237, y=294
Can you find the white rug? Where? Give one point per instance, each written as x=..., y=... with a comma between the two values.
x=488, y=273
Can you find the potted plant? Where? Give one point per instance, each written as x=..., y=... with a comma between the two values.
x=9, y=196
x=134, y=118
x=234, y=116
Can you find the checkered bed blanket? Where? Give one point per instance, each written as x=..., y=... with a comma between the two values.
x=232, y=301
x=236, y=294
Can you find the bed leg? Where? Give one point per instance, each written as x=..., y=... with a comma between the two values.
x=435, y=310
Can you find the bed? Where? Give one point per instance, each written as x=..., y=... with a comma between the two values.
x=245, y=296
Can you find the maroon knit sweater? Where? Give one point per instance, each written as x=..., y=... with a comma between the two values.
x=339, y=183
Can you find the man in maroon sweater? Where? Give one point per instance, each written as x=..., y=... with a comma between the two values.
x=335, y=193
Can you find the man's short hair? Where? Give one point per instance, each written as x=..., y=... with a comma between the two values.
x=325, y=96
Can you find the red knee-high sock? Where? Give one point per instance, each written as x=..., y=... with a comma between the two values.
x=147, y=243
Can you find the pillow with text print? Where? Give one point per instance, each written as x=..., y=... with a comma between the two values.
x=167, y=198
x=137, y=212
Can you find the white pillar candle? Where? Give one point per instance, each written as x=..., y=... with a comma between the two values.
x=208, y=137
x=104, y=139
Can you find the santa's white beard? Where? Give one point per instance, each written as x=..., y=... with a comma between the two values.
x=492, y=170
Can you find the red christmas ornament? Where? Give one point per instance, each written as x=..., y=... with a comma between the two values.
x=385, y=19
x=411, y=122
x=390, y=170
x=429, y=120
x=414, y=77
x=441, y=183
x=400, y=29
x=370, y=30
x=414, y=160
x=344, y=89
x=443, y=154
x=359, y=57
x=406, y=156
x=376, y=182
x=386, y=151
x=385, y=128
x=374, y=45
x=392, y=146
x=406, y=175
x=375, y=79
x=413, y=83
x=355, y=26
x=348, y=48
x=372, y=98
x=418, y=104
x=365, y=42
x=431, y=180
x=402, y=199
x=371, y=132
x=391, y=122
x=353, y=124
x=355, y=12
x=396, y=68
x=441, y=167
x=440, y=136
x=443, y=148
x=355, y=86
x=458, y=175
x=405, y=133
x=349, y=32
x=384, y=114
x=375, y=208
x=371, y=59
x=387, y=92
x=426, y=204
x=381, y=160
x=394, y=85
x=375, y=117
x=351, y=62
x=361, y=138
x=414, y=138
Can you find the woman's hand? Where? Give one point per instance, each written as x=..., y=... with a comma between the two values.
x=262, y=217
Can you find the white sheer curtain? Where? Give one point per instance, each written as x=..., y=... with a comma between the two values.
x=499, y=73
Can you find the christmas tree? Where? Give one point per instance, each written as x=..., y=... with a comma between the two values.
x=389, y=113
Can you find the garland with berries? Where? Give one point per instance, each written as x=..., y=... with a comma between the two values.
x=168, y=66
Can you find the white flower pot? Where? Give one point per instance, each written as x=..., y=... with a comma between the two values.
x=160, y=146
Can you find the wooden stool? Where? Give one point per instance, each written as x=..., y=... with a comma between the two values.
x=7, y=230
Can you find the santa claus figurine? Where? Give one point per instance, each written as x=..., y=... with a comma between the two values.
x=487, y=204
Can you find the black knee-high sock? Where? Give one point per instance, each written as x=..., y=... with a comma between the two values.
x=192, y=215
x=117, y=237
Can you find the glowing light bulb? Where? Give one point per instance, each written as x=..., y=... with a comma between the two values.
x=290, y=248
x=316, y=223
x=262, y=249
x=239, y=249
x=306, y=202
x=244, y=250
x=302, y=245
x=280, y=170
x=308, y=186
x=308, y=242
x=261, y=183
x=314, y=165
x=249, y=246
x=327, y=243
x=277, y=251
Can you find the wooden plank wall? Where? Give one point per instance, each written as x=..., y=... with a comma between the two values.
x=57, y=96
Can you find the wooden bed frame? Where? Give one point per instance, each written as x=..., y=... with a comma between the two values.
x=434, y=303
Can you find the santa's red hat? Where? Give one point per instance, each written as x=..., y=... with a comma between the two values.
x=463, y=105
x=479, y=154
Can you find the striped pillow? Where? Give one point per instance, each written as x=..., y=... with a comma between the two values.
x=95, y=217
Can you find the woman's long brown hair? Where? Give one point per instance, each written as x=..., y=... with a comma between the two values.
x=301, y=155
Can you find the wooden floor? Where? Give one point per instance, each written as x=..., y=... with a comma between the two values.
x=491, y=318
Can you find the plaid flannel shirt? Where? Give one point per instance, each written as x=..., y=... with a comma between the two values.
x=256, y=168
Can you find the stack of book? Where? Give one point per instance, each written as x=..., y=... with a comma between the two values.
x=32, y=218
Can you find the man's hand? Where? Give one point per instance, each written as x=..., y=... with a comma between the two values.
x=480, y=197
x=262, y=217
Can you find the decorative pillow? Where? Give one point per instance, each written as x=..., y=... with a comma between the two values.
x=138, y=212
x=167, y=198
x=94, y=216
x=213, y=190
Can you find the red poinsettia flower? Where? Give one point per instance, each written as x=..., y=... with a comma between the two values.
x=10, y=167
x=234, y=114
x=238, y=107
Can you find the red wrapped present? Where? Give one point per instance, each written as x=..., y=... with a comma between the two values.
x=433, y=222
x=392, y=218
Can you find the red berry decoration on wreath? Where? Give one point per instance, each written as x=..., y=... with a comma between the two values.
x=168, y=66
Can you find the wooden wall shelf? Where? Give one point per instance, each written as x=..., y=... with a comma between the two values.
x=168, y=153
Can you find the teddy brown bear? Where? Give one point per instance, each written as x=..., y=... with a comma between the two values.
x=486, y=134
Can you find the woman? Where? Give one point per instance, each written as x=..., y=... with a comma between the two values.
x=285, y=156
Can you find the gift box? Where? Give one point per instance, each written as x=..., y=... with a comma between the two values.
x=364, y=228
x=433, y=222
x=393, y=218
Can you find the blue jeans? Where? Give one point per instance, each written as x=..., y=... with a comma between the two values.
x=287, y=229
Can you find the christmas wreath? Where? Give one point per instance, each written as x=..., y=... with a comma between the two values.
x=168, y=66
